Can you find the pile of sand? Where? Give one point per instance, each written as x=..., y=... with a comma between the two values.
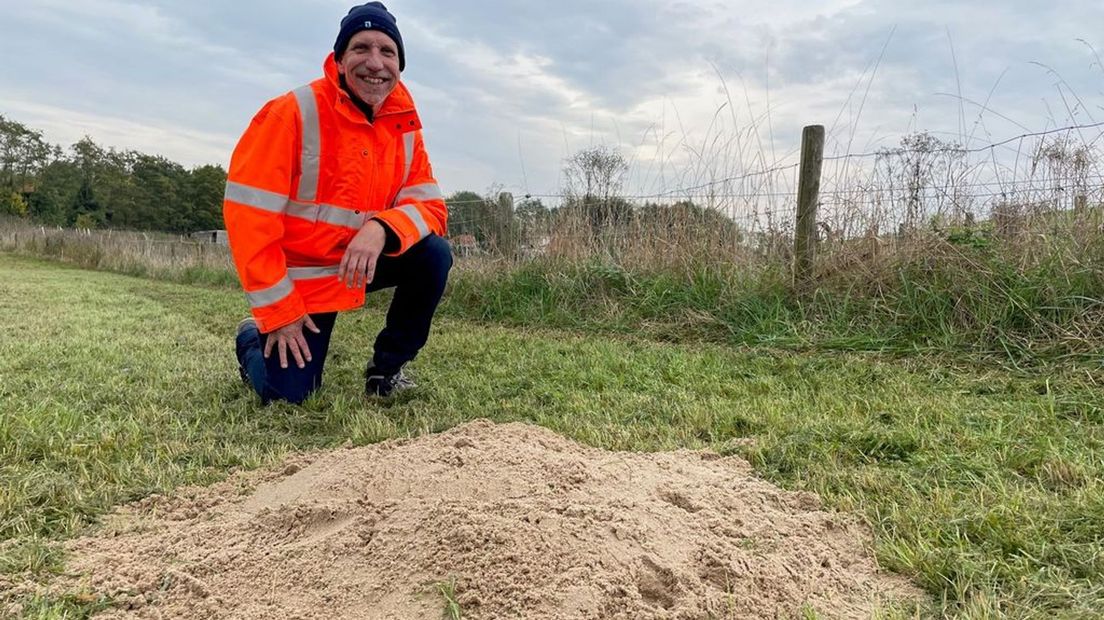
x=527, y=523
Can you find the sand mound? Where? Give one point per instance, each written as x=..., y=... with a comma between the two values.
x=529, y=524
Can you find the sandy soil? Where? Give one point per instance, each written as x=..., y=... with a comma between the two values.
x=527, y=523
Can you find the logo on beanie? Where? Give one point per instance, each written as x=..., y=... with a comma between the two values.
x=368, y=25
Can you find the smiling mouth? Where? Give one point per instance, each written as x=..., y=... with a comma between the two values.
x=375, y=81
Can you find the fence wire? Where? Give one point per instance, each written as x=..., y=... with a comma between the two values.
x=926, y=187
x=1052, y=186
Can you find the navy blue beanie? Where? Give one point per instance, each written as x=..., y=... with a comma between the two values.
x=369, y=16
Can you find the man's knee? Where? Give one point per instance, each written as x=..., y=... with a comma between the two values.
x=291, y=385
x=294, y=394
x=440, y=253
x=434, y=255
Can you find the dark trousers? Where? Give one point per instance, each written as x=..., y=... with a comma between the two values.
x=418, y=276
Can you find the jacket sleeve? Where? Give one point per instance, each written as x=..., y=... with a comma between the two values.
x=258, y=188
x=419, y=208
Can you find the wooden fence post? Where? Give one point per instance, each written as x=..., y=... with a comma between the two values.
x=808, y=193
x=505, y=226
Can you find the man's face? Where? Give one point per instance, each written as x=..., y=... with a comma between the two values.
x=370, y=65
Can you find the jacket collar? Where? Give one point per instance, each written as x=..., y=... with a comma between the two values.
x=398, y=102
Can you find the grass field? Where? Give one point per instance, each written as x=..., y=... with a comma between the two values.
x=984, y=485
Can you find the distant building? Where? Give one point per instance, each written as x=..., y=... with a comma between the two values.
x=464, y=245
x=210, y=236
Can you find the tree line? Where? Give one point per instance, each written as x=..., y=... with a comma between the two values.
x=90, y=186
x=592, y=212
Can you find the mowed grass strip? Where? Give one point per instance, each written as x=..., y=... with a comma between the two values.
x=984, y=486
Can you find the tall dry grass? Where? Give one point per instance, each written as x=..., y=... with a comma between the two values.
x=154, y=255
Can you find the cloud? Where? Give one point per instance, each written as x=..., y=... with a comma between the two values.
x=185, y=145
x=686, y=89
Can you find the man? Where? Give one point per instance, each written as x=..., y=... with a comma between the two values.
x=330, y=195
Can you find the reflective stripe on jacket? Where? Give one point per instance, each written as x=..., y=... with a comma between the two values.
x=306, y=175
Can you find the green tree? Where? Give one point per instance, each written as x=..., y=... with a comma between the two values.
x=490, y=221
x=114, y=187
x=466, y=211
x=23, y=154
x=56, y=186
x=96, y=186
x=11, y=203
x=88, y=157
x=205, y=188
x=84, y=210
x=689, y=219
x=160, y=185
x=532, y=214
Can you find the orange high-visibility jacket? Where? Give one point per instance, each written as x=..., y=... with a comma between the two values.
x=307, y=174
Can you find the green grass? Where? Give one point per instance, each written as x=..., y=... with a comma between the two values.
x=984, y=485
x=976, y=300
x=72, y=607
x=452, y=610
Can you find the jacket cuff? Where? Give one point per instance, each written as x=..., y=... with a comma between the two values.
x=393, y=243
x=401, y=242
x=271, y=319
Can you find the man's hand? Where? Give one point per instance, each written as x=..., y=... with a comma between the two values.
x=358, y=265
x=291, y=337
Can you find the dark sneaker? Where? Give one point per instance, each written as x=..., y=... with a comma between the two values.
x=384, y=385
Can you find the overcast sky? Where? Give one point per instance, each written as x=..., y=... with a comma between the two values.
x=506, y=90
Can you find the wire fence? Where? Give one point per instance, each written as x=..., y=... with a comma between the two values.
x=138, y=253
x=1045, y=183
x=1048, y=182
